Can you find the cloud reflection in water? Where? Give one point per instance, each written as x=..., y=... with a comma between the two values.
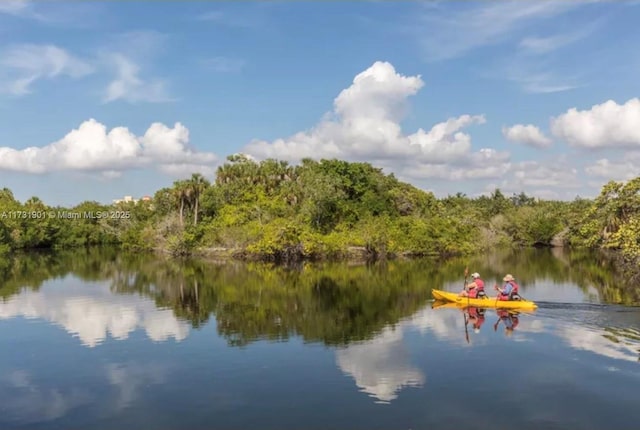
x=92, y=312
x=380, y=367
x=25, y=401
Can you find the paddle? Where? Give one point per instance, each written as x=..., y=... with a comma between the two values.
x=464, y=287
x=464, y=316
x=495, y=287
x=495, y=326
x=466, y=330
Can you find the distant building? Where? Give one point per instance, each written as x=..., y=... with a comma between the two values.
x=126, y=199
x=130, y=199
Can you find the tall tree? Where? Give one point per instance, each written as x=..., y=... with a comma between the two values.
x=197, y=185
x=181, y=194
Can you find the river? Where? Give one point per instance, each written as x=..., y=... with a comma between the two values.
x=102, y=339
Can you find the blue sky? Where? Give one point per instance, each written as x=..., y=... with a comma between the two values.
x=101, y=100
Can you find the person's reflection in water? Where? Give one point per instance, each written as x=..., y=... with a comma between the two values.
x=476, y=318
x=510, y=320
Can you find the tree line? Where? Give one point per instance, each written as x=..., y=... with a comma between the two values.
x=272, y=210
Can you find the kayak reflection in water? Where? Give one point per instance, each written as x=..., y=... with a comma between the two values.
x=510, y=320
x=476, y=318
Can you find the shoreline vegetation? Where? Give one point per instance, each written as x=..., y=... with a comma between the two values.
x=325, y=210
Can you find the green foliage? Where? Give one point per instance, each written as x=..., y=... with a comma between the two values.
x=627, y=239
x=317, y=246
x=163, y=201
x=140, y=237
x=611, y=221
x=182, y=243
x=495, y=204
x=532, y=225
x=278, y=240
x=323, y=209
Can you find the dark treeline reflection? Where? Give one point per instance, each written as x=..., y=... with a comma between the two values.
x=333, y=303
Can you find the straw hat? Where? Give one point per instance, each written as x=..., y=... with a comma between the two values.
x=508, y=278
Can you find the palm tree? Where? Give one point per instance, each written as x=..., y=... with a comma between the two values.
x=224, y=175
x=181, y=194
x=197, y=185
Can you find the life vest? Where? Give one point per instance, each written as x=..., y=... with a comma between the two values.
x=480, y=288
x=514, y=290
x=478, y=291
x=513, y=295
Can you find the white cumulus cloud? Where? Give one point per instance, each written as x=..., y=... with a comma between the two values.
x=527, y=135
x=607, y=125
x=614, y=170
x=547, y=180
x=365, y=125
x=484, y=164
x=540, y=174
x=92, y=148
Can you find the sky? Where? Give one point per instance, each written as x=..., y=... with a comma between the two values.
x=99, y=100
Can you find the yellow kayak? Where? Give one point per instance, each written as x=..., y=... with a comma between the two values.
x=489, y=302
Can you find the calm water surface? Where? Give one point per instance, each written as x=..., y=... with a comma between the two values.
x=103, y=340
